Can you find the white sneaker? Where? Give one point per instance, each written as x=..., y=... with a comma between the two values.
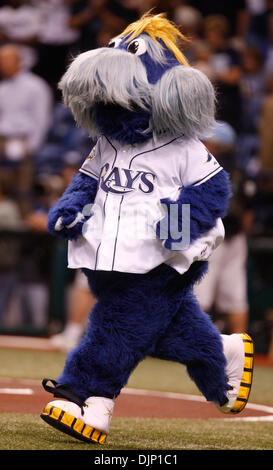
x=63, y=342
x=69, y=337
x=91, y=426
x=239, y=353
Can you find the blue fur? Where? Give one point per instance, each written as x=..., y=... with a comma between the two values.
x=208, y=201
x=154, y=69
x=193, y=340
x=120, y=124
x=128, y=323
x=81, y=192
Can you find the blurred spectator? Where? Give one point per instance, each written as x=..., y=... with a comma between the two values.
x=66, y=144
x=100, y=20
x=252, y=87
x=19, y=24
x=202, y=59
x=225, y=285
x=258, y=10
x=189, y=21
x=25, y=116
x=235, y=11
x=81, y=302
x=225, y=64
x=85, y=17
x=268, y=45
x=10, y=222
x=10, y=216
x=25, y=106
x=56, y=38
x=266, y=128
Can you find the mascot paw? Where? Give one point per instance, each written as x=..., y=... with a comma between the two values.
x=67, y=226
x=65, y=222
x=239, y=352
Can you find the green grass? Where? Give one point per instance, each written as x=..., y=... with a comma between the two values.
x=151, y=374
x=29, y=432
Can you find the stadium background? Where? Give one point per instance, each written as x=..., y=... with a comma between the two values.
x=41, y=148
x=37, y=160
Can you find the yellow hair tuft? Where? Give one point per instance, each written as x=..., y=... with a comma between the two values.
x=159, y=28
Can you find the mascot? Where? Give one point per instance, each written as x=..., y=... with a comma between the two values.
x=142, y=216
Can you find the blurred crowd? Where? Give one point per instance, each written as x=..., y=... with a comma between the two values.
x=41, y=147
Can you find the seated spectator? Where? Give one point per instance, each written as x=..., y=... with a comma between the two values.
x=25, y=106
x=225, y=63
x=25, y=116
x=19, y=24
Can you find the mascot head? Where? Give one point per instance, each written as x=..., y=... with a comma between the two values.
x=139, y=86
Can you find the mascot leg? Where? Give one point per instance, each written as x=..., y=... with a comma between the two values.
x=220, y=365
x=132, y=313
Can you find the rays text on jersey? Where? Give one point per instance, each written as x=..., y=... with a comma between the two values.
x=123, y=180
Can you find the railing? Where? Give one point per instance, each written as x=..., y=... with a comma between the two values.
x=35, y=281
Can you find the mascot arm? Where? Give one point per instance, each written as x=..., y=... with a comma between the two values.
x=208, y=201
x=66, y=218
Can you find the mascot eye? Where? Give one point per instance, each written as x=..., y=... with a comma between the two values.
x=137, y=47
x=114, y=42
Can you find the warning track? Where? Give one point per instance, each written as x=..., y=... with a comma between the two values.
x=27, y=396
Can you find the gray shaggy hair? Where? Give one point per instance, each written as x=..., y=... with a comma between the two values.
x=108, y=76
x=182, y=102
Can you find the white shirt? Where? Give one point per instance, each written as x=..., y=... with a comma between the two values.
x=20, y=23
x=54, y=28
x=25, y=108
x=120, y=236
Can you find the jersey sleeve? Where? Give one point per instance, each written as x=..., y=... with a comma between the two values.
x=92, y=164
x=200, y=165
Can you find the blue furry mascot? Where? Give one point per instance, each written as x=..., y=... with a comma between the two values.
x=142, y=217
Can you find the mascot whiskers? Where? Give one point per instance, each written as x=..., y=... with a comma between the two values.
x=142, y=216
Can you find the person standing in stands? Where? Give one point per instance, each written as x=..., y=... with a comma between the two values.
x=224, y=288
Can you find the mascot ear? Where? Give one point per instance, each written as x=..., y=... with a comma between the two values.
x=183, y=103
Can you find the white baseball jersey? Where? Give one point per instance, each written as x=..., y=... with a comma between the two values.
x=132, y=179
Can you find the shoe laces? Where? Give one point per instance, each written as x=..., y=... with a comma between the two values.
x=63, y=391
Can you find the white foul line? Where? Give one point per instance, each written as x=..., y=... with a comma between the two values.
x=16, y=391
x=201, y=399
x=172, y=395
